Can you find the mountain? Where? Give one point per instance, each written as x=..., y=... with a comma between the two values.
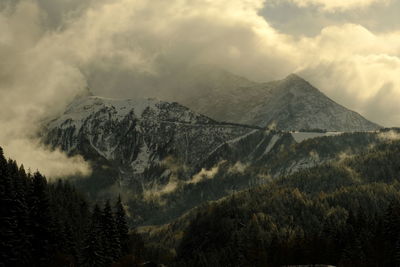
x=154, y=150
x=134, y=134
x=167, y=159
x=138, y=143
x=288, y=104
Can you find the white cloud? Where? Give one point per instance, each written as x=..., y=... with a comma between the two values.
x=33, y=83
x=357, y=68
x=204, y=174
x=389, y=136
x=52, y=163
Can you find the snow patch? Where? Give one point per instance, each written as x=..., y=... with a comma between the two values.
x=301, y=136
x=241, y=137
x=271, y=144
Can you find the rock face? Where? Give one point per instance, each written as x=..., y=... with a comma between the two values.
x=288, y=104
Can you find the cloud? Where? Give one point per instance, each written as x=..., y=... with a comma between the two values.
x=205, y=174
x=389, y=136
x=357, y=68
x=156, y=193
x=52, y=163
x=142, y=48
x=50, y=51
x=238, y=167
x=338, y=5
x=33, y=84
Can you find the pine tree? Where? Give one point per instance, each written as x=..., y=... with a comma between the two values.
x=112, y=246
x=41, y=221
x=122, y=227
x=8, y=222
x=392, y=231
x=70, y=246
x=93, y=252
x=20, y=186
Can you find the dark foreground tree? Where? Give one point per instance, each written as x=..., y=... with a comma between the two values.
x=122, y=227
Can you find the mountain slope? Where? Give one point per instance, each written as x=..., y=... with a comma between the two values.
x=295, y=104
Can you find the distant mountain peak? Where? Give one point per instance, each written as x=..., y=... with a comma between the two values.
x=294, y=78
x=296, y=84
x=292, y=103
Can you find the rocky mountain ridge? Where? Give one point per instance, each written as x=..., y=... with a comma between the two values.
x=136, y=135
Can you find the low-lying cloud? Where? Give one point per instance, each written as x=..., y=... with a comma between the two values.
x=204, y=174
x=389, y=136
x=238, y=167
x=53, y=163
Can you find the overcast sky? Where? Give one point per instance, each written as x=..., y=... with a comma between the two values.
x=52, y=49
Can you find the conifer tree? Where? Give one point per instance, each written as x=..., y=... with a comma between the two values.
x=20, y=209
x=93, y=252
x=70, y=246
x=112, y=247
x=8, y=222
x=122, y=227
x=41, y=221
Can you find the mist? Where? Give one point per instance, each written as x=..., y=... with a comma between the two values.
x=52, y=50
x=34, y=84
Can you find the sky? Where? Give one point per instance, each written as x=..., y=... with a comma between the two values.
x=50, y=50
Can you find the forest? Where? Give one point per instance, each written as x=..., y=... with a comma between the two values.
x=51, y=224
x=342, y=213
